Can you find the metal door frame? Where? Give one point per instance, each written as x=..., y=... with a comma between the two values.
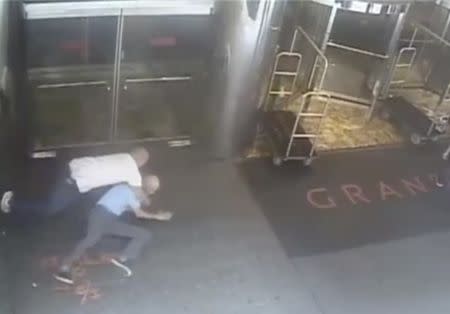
x=49, y=10
x=120, y=84
x=116, y=78
x=388, y=7
x=121, y=10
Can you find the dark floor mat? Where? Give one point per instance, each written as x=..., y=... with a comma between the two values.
x=351, y=199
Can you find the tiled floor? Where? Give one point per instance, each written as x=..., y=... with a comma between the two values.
x=220, y=254
x=404, y=276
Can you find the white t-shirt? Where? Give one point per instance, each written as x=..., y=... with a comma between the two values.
x=93, y=172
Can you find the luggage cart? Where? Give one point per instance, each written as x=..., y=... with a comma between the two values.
x=281, y=70
x=288, y=139
x=420, y=65
x=417, y=124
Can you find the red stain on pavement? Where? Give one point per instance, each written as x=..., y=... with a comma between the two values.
x=83, y=287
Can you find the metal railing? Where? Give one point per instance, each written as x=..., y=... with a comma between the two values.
x=410, y=49
x=293, y=75
x=414, y=57
x=312, y=136
x=75, y=84
x=320, y=56
x=357, y=50
x=432, y=34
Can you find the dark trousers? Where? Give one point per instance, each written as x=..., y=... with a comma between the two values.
x=101, y=223
x=63, y=195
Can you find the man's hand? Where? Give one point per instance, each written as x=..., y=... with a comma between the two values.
x=159, y=215
x=162, y=215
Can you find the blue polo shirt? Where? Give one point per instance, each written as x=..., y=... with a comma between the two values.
x=119, y=199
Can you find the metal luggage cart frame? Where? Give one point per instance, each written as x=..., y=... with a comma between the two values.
x=320, y=61
x=325, y=40
x=308, y=157
x=314, y=72
x=414, y=58
x=438, y=120
x=398, y=65
x=419, y=127
x=290, y=74
x=305, y=91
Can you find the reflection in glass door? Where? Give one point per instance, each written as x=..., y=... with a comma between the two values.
x=71, y=70
x=163, y=67
x=116, y=70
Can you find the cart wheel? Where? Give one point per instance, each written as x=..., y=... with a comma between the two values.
x=416, y=139
x=277, y=161
x=307, y=162
x=385, y=114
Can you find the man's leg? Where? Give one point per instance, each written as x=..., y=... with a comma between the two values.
x=99, y=221
x=443, y=178
x=139, y=237
x=63, y=194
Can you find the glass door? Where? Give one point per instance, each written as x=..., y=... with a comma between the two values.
x=163, y=75
x=71, y=71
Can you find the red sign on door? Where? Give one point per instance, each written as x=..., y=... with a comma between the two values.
x=73, y=45
x=167, y=41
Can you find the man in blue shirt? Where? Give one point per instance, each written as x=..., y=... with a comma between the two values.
x=104, y=220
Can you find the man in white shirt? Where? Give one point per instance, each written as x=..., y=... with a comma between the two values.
x=85, y=174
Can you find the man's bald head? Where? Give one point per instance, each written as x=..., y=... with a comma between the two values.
x=151, y=184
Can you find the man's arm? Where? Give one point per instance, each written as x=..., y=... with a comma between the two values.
x=139, y=200
x=159, y=215
x=446, y=153
x=142, y=197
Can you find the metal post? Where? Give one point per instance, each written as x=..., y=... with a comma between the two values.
x=86, y=44
x=333, y=12
x=375, y=93
x=319, y=54
x=116, y=80
x=437, y=37
x=313, y=73
x=413, y=37
x=446, y=25
x=392, y=48
x=294, y=39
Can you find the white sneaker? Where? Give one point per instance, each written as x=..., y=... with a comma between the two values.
x=64, y=277
x=439, y=184
x=6, y=202
x=122, y=265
